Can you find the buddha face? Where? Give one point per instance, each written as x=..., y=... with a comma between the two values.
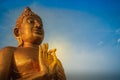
x=31, y=30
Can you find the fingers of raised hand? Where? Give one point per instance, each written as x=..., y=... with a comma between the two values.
x=52, y=50
x=40, y=52
x=53, y=54
x=43, y=50
x=40, y=57
x=46, y=50
x=52, y=66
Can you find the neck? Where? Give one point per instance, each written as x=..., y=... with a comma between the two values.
x=26, y=44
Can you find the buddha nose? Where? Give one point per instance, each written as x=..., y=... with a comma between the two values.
x=37, y=24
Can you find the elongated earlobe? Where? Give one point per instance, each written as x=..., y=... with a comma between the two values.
x=18, y=37
x=20, y=42
x=16, y=32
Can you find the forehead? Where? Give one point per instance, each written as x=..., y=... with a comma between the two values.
x=32, y=18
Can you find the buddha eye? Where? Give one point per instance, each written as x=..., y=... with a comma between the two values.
x=31, y=21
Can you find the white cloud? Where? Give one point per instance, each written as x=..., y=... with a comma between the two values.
x=118, y=40
x=118, y=31
x=100, y=43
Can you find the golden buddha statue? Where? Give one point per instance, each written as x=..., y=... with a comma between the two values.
x=30, y=60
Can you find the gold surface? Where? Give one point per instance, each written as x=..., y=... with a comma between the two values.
x=30, y=60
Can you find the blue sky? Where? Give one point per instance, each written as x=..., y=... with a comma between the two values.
x=86, y=33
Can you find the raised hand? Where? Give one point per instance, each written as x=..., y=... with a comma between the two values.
x=42, y=57
x=47, y=59
x=53, y=61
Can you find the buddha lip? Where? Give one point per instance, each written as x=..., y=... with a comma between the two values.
x=37, y=30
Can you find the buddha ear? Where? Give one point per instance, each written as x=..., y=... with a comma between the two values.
x=16, y=32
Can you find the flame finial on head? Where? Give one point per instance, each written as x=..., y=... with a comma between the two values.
x=27, y=9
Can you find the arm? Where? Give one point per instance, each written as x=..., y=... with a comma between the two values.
x=6, y=55
x=60, y=74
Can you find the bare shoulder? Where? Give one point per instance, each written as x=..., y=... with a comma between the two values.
x=6, y=55
x=59, y=62
x=7, y=50
x=59, y=65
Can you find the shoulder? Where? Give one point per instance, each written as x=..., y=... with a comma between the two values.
x=60, y=71
x=59, y=66
x=6, y=58
x=59, y=62
x=6, y=55
x=7, y=50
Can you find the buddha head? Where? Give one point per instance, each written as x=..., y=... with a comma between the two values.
x=29, y=28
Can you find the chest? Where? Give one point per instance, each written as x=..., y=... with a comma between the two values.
x=26, y=61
